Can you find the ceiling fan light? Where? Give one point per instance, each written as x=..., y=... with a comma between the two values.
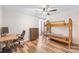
x=45, y=13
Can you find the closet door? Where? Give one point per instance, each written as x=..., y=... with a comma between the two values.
x=34, y=33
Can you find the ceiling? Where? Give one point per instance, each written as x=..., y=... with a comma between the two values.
x=39, y=6
x=35, y=9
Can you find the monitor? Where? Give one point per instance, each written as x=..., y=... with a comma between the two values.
x=4, y=30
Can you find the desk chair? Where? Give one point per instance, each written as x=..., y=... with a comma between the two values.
x=2, y=45
x=20, y=39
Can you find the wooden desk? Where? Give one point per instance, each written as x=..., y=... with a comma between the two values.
x=8, y=38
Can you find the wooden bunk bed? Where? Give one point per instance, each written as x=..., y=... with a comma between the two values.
x=67, y=40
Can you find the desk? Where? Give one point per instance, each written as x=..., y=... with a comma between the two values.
x=8, y=39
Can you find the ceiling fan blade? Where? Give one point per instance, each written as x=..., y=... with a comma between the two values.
x=48, y=13
x=53, y=10
x=44, y=9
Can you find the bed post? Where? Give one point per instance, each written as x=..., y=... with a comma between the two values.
x=45, y=30
x=70, y=32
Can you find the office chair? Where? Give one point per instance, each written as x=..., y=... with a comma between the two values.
x=20, y=39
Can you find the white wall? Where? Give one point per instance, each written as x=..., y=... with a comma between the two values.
x=17, y=21
x=0, y=15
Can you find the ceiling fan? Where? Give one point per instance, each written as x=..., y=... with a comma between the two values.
x=48, y=10
x=44, y=11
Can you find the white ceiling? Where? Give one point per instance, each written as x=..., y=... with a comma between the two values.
x=35, y=9
x=40, y=6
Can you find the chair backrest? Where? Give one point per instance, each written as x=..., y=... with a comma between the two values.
x=4, y=30
x=23, y=33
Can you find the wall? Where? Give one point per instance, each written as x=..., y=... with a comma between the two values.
x=17, y=21
x=0, y=15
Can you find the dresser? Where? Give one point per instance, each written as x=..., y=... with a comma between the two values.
x=34, y=33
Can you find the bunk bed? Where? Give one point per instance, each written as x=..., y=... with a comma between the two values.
x=47, y=29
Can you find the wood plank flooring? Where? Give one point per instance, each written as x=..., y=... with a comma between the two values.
x=48, y=47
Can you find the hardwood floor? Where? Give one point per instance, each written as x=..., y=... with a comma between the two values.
x=48, y=47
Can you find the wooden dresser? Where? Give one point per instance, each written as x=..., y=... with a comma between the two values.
x=34, y=33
